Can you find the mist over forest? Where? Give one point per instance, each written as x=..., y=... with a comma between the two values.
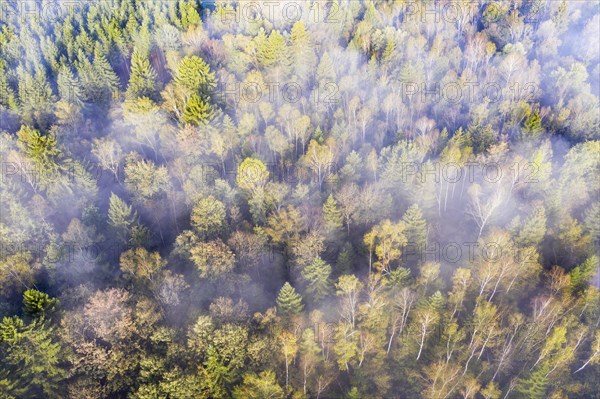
x=353, y=199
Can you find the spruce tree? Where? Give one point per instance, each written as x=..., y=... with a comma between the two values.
x=534, y=228
x=436, y=301
x=42, y=149
x=31, y=359
x=416, y=227
x=332, y=214
x=345, y=259
x=120, y=216
x=69, y=87
x=316, y=276
x=36, y=303
x=273, y=51
x=108, y=79
x=582, y=274
x=88, y=78
x=301, y=50
x=197, y=111
x=188, y=9
x=325, y=71
x=35, y=98
x=289, y=301
x=143, y=79
x=194, y=74
x=7, y=95
x=389, y=51
x=533, y=125
x=535, y=386
x=591, y=221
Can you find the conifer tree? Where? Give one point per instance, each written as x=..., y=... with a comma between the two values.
x=301, y=49
x=416, y=227
x=273, y=51
x=69, y=88
x=42, y=149
x=389, y=51
x=31, y=359
x=35, y=98
x=534, y=228
x=120, y=216
x=106, y=76
x=259, y=386
x=197, y=111
x=332, y=214
x=316, y=274
x=345, y=258
x=36, y=303
x=581, y=275
x=88, y=78
x=194, y=74
x=536, y=385
x=325, y=72
x=289, y=301
x=188, y=9
x=143, y=79
x=533, y=125
x=7, y=94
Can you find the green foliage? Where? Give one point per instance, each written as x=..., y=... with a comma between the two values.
x=36, y=303
x=107, y=79
x=69, y=88
x=32, y=358
x=331, y=213
x=316, y=275
x=189, y=13
x=208, y=216
x=143, y=81
x=536, y=385
x=7, y=94
x=289, y=301
x=582, y=274
x=194, y=74
x=35, y=98
x=533, y=125
x=98, y=81
x=345, y=259
x=263, y=385
x=42, y=149
x=215, y=375
x=272, y=50
x=213, y=259
x=416, y=226
x=197, y=111
x=120, y=216
x=534, y=228
x=252, y=175
x=482, y=136
x=399, y=278
x=230, y=191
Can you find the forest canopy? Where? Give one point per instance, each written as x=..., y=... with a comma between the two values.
x=300, y=199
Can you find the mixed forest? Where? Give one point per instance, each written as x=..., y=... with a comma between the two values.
x=299, y=199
